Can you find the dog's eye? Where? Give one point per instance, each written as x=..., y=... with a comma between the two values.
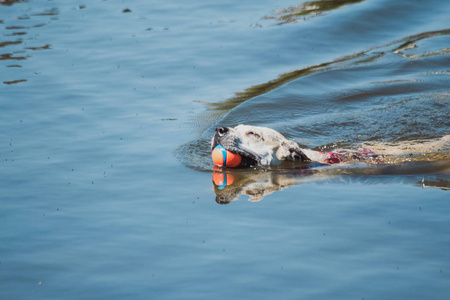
x=252, y=134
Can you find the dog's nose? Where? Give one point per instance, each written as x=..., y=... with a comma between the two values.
x=221, y=130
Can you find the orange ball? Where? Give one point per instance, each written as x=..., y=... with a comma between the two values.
x=224, y=158
x=222, y=180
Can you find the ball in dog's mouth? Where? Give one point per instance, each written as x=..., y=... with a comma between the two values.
x=224, y=158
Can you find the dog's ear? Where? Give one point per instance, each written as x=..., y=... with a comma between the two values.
x=295, y=153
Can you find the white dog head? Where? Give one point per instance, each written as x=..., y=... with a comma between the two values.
x=257, y=145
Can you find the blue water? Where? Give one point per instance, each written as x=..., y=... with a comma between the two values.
x=106, y=113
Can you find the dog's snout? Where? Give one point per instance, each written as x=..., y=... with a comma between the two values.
x=221, y=130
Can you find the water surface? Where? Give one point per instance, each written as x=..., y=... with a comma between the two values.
x=107, y=110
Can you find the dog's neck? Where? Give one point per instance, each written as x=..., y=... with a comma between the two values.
x=314, y=155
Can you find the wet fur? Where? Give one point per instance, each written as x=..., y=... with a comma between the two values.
x=261, y=145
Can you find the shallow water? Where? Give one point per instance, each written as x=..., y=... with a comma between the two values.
x=107, y=111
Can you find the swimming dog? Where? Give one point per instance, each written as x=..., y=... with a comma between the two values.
x=262, y=146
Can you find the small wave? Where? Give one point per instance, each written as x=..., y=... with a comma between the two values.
x=20, y=32
x=307, y=10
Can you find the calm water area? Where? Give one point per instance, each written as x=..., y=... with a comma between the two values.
x=107, y=188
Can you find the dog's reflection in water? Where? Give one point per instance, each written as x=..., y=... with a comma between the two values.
x=229, y=186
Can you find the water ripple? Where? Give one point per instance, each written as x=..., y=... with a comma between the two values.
x=370, y=96
x=17, y=25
